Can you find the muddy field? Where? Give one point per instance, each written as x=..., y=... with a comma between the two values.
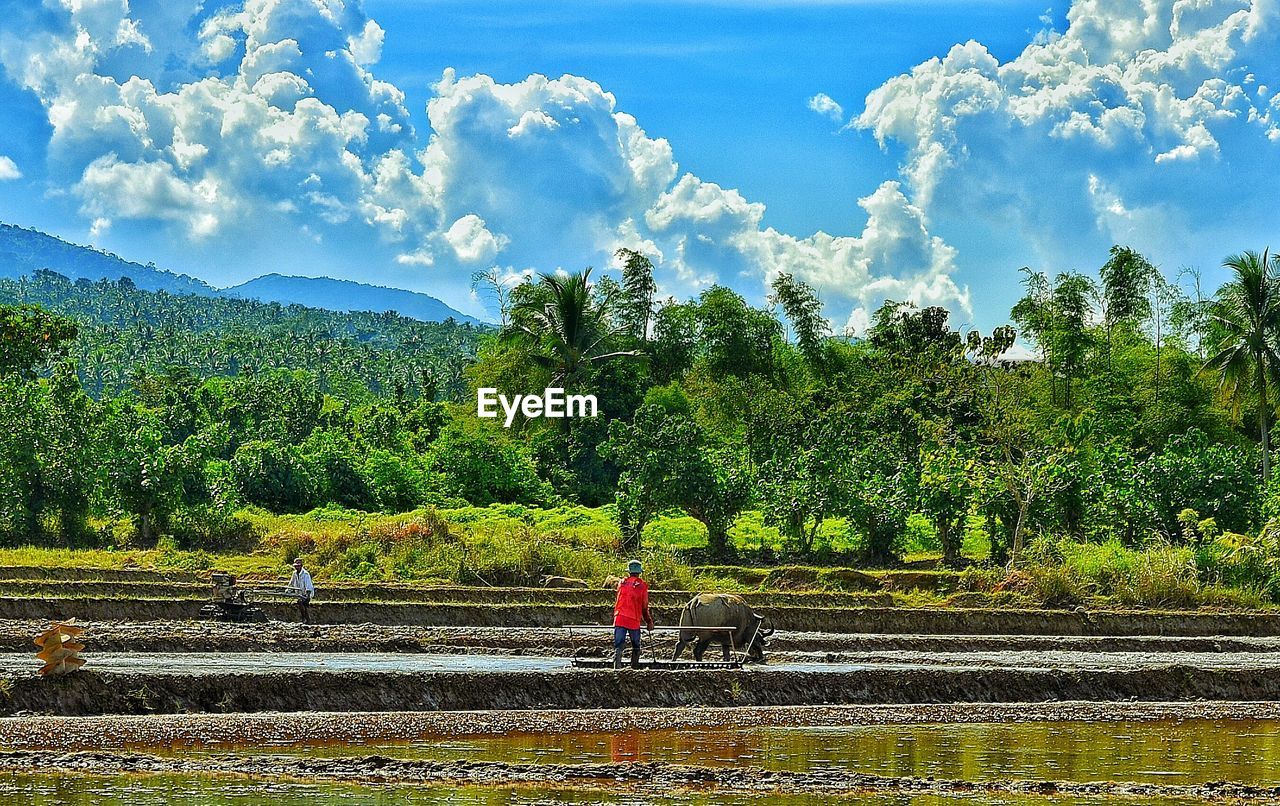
x=397, y=664
x=808, y=618
x=278, y=636
x=89, y=692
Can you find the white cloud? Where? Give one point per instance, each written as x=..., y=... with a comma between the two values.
x=472, y=242
x=8, y=169
x=826, y=106
x=1138, y=121
x=245, y=121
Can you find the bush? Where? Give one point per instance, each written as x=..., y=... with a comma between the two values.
x=484, y=466
x=274, y=476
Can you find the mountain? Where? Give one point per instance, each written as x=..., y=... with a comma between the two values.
x=24, y=251
x=346, y=295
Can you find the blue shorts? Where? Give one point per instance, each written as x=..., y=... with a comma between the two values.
x=620, y=635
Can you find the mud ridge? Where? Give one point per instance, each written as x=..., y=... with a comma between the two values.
x=89, y=693
x=650, y=777
x=206, y=636
x=934, y=621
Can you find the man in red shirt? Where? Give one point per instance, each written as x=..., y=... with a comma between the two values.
x=631, y=608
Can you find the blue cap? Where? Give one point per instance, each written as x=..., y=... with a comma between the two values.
x=634, y=567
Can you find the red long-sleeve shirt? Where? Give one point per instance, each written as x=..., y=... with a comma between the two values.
x=632, y=606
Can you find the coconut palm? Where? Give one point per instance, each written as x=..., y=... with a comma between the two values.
x=1246, y=359
x=570, y=330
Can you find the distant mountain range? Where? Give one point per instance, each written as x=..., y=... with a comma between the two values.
x=24, y=251
x=345, y=295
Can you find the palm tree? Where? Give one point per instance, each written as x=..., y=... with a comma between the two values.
x=570, y=330
x=1247, y=358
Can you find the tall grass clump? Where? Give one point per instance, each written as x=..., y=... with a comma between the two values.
x=500, y=545
x=1065, y=572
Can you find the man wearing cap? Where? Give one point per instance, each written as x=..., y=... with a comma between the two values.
x=631, y=608
x=301, y=586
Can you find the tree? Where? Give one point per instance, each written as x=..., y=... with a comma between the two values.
x=736, y=339
x=675, y=341
x=1246, y=357
x=806, y=476
x=1215, y=480
x=668, y=461
x=140, y=470
x=483, y=466
x=31, y=337
x=497, y=287
x=638, y=289
x=1070, y=338
x=274, y=476
x=804, y=311
x=947, y=482
x=569, y=331
x=901, y=330
x=1019, y=471
x=1126, y=278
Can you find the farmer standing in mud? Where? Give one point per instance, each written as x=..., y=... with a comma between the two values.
x=301, y=586
x=630, y=609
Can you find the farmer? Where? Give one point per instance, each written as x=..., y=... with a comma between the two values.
x=631, y=608
x=301, y=586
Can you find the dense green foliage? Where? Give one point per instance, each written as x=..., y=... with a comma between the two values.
x=126, y=333
x=1137, y=426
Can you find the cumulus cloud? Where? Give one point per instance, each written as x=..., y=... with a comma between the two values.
x=826, y=106
x=220, y=120
x=8, y=169
x=1138, y=119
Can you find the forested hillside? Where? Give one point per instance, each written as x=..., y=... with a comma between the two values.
x=26, y=251
x=125, y=333
x=126, y=416
x=23, y=252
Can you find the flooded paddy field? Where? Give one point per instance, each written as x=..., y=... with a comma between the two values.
x=1062, y=753
x=411, y=695
x=1236, y=742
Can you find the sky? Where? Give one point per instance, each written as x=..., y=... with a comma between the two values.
x=921, y=151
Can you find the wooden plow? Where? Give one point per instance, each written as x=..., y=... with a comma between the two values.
x=584, y=659
x=60, y=649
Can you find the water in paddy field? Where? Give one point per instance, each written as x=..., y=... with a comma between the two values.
x=1187, y=752
x=190, y=790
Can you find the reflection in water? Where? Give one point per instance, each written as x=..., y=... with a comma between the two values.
x=1189, y=752
x=625, y=746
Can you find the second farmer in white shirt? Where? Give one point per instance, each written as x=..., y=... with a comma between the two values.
x=301, y=586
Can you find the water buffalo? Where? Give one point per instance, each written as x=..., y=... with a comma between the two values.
x=723, y=610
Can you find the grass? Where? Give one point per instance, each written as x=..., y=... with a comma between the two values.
x=511, y=545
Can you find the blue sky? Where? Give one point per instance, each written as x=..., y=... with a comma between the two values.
x=876, y=150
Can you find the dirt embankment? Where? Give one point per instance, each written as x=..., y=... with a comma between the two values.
x=413, y=594
x=641, y=778
x=936, y=621
x=209, y=636
x=87, y=692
